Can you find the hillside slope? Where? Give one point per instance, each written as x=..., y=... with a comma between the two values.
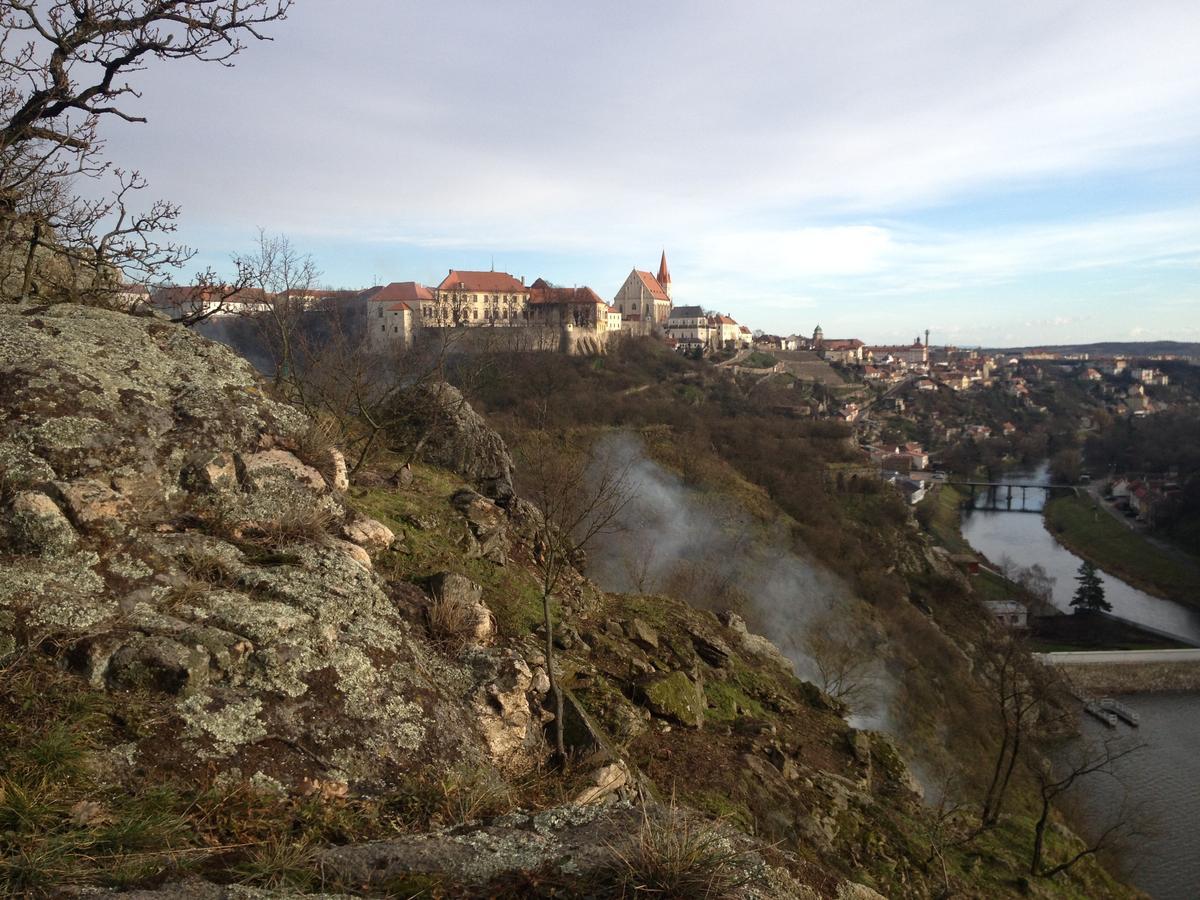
x=221, y=663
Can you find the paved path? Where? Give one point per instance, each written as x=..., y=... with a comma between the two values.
x=1119, y=657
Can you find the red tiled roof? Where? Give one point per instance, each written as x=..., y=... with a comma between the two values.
x=398, y=306
x=651, y=284
x=500, y=282
x=402, y=292
x=187, y=294
x=544, y=292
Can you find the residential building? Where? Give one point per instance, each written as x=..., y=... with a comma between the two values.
x=613, y=315
x=725, y=332
x=689, y=326
x=210, y=300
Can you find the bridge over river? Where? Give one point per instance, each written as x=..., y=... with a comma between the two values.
x=1094, y=673
x=999, y=495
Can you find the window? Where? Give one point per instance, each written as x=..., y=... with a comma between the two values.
x=381, y=312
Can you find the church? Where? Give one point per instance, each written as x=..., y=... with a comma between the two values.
x=644, y=300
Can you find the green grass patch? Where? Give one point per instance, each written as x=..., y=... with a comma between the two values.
x=759, y=360
x=941, y=513
x=1088, y=531
x=435, y=536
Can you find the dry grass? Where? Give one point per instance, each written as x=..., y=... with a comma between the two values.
x=309, y=524
x=678, y=856
x=451, y=622
x=315, y=445
x=205, y=569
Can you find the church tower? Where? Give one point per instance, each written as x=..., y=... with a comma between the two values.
x=818, y=337
x=664, y=275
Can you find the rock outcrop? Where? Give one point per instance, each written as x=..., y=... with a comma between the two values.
x=458, y=439
x=159, y=524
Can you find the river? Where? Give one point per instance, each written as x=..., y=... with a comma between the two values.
x=1023, y=538
x=1163, y=779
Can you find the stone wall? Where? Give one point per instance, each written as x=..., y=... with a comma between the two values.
x=1096, y=678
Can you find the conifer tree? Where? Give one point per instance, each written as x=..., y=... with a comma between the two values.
x=1089, y=596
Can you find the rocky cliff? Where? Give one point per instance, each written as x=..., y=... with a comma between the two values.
x=221, y=662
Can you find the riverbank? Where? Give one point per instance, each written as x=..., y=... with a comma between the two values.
x=1071, y=633
x=1083, y=527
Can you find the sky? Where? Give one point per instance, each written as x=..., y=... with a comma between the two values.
x=1004, y=173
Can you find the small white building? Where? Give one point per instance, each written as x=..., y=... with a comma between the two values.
x=1009, y=613
x=613, y=316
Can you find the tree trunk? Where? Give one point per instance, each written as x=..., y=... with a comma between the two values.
x=555, y=691
x=34, y=239
x=1039, y=836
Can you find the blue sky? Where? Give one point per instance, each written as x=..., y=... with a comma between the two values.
x=1002, y=173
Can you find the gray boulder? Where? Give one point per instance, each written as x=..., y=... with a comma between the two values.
x=458, y=439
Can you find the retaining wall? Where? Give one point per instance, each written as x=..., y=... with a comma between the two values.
x=1092, y=673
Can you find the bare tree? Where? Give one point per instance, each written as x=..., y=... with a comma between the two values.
x=281, y=277
x=1016, y=687
x=843, y=656
x=579, y=495
x=65, y=66
x=1054, y=781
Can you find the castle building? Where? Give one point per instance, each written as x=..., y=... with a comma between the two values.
x=477, y=298
x=392, y=313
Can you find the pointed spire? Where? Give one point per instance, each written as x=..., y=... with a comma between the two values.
x=664, y=274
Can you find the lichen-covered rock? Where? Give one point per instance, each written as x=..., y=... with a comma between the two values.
x=90, y=391
x=208, y=471
x=642, y=634
x=488, y=524
x=223, y=590
x=673, y=696
x=37, y=525
x=261, y=469
x=91, y=504
x=368, y=533
x=586, y=849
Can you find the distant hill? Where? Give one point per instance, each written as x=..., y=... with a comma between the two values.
x=1118, y=348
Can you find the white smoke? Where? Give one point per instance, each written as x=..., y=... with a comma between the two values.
x=704, y=548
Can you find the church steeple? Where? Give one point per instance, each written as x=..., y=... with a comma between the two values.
x=664, y=274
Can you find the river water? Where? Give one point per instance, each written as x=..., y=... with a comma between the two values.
x=1163, y=779
x=1023, y=538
